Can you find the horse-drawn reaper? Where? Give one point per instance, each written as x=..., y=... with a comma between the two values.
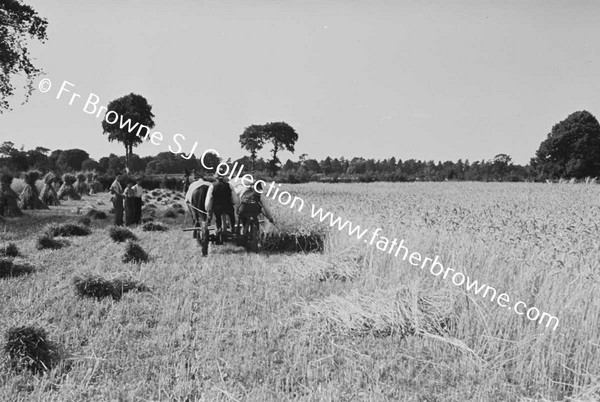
x=200, y=198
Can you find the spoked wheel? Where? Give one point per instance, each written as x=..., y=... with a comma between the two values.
x=220, y=237
x=245, y=238
x=203, y=238
x=254, y=234
x=198, y=233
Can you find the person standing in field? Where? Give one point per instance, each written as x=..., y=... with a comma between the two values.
x=251, y=205
x=221, y=199
x=129, y=195
x=117, y=199
x=138, y=192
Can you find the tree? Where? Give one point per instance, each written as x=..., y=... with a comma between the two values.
x=136, y=164
x=16, y=159
x=90, y=165
x=211, y=160
x=53, y=158
x=290, y=166
x=168, y=162
x=312, y=165
x=17, y=22
x=572, y=149
x=115, y=163
x=7, y=148
x=357, y=166
x=336, y=166
x=103, y=162
x=71, y=159
x=501, y=165
x=370, y=166
x=392, y=164
x=283, y=137
x=37, y=159
x=252, y=140
x=503, y=159
x=134, y=113
x=326, y=165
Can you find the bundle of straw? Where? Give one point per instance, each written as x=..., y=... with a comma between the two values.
x=400, y=312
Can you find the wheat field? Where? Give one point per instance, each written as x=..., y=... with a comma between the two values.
x=352, y=323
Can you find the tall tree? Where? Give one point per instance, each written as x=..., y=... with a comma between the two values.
x=17, y=23
x=252, y=140
x=133, y=112
x=283, y=137
x=572, y=149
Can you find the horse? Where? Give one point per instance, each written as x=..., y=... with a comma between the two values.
x=195, y=198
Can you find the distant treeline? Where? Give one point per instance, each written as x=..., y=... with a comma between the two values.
x=303, y=170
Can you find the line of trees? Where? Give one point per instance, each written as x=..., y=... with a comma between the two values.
x=571, y=150
x=341, y=169
x=73, y=160
x=303, y=170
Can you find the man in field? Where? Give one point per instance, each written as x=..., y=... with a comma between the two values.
x=251, y=205
x=129, y=195
x=221, y=200
x=138, y=193
x=117, y=198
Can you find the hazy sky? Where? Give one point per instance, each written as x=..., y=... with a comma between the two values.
x=428, y=80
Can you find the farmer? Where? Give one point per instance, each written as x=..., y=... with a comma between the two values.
x=221, y=199
x=252, y=205
x=129, y=194
x=117, y=199
x=138, y=192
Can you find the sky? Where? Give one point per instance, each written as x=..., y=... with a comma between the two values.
x=429, y=80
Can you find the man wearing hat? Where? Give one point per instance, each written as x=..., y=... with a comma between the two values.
x=221, y=199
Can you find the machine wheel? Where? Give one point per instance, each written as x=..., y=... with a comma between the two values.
x=254, y=236
x=203, y=238
x=198, y=234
